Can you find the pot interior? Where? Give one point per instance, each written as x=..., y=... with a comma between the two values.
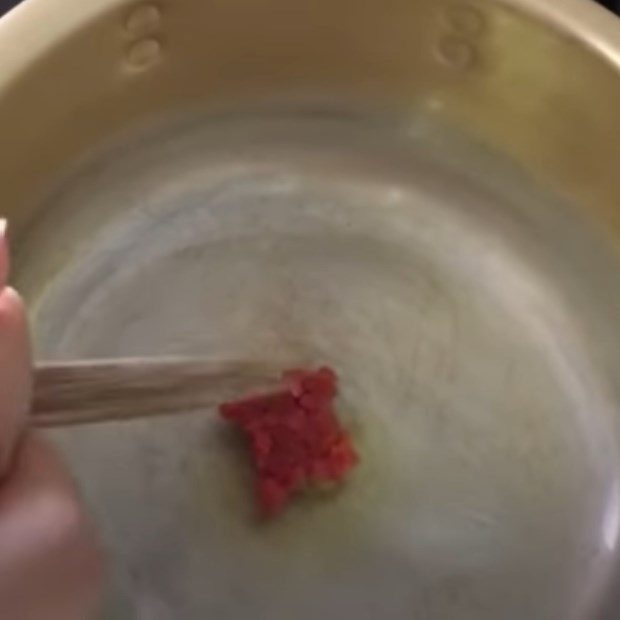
x=466, y=297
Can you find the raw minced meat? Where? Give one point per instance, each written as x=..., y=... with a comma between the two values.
x=295, y=438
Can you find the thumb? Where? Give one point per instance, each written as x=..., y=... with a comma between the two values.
x=15, y=363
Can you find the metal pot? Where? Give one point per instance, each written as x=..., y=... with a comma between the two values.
x=421, y=193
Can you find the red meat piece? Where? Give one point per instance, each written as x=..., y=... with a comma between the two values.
x=295, y=437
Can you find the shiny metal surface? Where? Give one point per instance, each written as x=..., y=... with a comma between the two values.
x=422, y=194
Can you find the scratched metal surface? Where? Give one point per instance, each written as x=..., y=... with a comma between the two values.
x=455, y=298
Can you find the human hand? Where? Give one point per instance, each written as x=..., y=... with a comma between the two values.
x=50, y=568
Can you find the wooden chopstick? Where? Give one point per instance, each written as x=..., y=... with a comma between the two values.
x=83, y=392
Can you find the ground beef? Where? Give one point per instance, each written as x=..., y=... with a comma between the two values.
x=294, y=436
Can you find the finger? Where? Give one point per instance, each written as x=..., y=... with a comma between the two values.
x=4, y=254
x=15, y=373
x=50, y=568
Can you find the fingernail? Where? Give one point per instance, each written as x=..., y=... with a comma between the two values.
x=4, y=253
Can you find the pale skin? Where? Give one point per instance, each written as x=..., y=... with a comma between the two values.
x=50, y=565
